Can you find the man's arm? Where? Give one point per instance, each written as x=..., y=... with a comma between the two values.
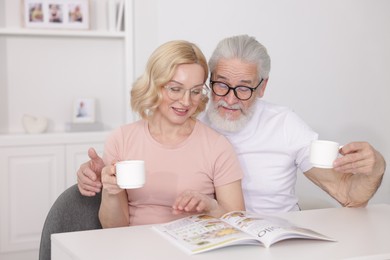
x=355, y=177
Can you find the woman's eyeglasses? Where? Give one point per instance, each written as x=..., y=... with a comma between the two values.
x=178, y=92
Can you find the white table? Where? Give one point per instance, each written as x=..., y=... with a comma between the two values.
x=360, y=233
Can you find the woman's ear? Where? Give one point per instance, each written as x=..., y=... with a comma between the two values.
x=260, y=94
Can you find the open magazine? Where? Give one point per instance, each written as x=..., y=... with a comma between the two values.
x=200, y=233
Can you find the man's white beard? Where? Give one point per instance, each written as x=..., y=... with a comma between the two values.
x=226, y=124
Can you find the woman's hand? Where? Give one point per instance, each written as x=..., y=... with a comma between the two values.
x=109, y=179
x=194, y=202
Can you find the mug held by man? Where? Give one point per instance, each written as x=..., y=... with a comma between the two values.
x=323, y=153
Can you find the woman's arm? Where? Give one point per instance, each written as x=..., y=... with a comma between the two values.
x=227, y=198
x=114, y=209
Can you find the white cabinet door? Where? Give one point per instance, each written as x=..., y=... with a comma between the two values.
x=32, y=177
x=76, y=154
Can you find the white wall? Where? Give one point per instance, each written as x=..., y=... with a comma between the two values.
x=330, y=59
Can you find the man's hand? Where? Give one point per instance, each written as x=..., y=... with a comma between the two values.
x=356, y=176
x=360, y=157
x=88, y=175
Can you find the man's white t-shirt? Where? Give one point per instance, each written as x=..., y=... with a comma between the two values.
x=271, y=147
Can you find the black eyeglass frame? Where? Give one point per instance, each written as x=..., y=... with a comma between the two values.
x=234, y=89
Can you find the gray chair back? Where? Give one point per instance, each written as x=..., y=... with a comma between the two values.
x=70, y=212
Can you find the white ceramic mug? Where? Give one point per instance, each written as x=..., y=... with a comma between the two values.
x=323, y=153
x=130, y=174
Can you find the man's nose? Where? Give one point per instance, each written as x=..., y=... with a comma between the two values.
x=231, y=98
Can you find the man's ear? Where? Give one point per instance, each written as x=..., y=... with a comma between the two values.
x=260, y=94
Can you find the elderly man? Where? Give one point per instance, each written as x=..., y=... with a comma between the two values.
x=271, y=141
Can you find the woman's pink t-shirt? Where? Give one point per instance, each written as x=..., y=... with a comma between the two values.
x=203, y=161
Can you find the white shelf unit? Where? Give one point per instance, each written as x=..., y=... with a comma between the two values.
x=35, y=169
x=41, y=73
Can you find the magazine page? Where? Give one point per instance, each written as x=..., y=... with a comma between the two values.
x=269, y=229
x=200, y=233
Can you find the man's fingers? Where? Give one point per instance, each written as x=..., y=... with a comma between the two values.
x=96, y=163
x=87, y=189
x=87, y=180
x=90, y=176
x=92, y=153
x=359, y=157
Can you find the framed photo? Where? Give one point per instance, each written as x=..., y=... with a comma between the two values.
x=56, y=14
x=84, y=110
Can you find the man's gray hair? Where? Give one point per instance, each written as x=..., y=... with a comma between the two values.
x=244, y=48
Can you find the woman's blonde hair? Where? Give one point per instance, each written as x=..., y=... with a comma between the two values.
x=146, y=93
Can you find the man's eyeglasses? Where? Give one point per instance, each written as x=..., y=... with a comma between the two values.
x=196, y=93
x=241, y=92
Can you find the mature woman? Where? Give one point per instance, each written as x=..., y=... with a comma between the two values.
x=190, y=168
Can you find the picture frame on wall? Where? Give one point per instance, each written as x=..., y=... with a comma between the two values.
x=56, y=14
x=84, y=110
